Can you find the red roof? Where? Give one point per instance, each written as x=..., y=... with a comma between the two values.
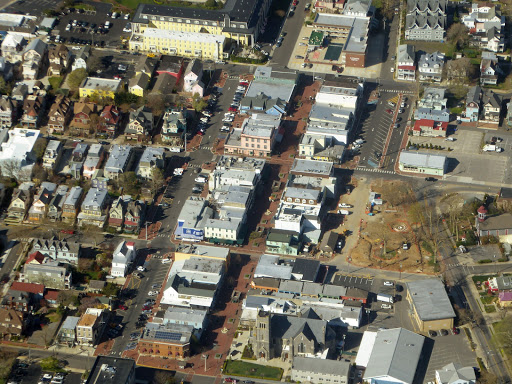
x=37, y=256
x=482, y=209
x=51, y=295
x=28, y=287
x=408, y=67
x=436, y=125
x=130, y=243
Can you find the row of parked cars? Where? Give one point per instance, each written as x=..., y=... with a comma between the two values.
x=49, y=378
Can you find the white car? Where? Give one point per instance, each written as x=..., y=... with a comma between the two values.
x=175, y=149
x=141, y=268
x=392, y=69
x=344, y=205
x=449, y=139
x=386, y=306
x=122, y=67
x=152, y=293
x=200, y=179
x=178, y=172
x=388, y=283
x=166, y=261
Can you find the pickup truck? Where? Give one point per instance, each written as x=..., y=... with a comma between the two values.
x=492, y=148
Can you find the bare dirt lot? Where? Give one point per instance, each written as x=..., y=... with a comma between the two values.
x=382, y=237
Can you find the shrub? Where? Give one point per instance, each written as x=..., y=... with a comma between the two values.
x=484, y=261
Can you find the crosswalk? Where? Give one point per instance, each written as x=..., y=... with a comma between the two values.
x=398, y=91
x=194, y=165
x=209, y=148
x=374, y=170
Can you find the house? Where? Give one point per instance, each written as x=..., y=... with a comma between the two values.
x=110, y=119
x=455, y=373
x=11, y=323
x=166, y=340
x=505, y=299
x=489, y=69
x=195, y=318
x=33, y=108
x=165, y=85
x=486, y=23
x=508, y=117
x=53, y=275
x=423, y=163
x=93, y=161
x=499, y=226
x=94, y=207
x=286, y=337
x=51, y=298
x=426, y=20
x=52, y=154
x=13, y=45
x=328, y=6
x=432, y=106
x=59, y=115
x=124, y=254
x=491, y=103
x=8, y=112
x=282, y=242
x=67, y=332
x=430, y=66
x=406, y=62
x=37, y=290
x=192, y=80
x=19, y=93
x=134, y=216
x=60, y=58
x=473, y=100
x=90, y=326
x=58, y=250
x=81, y=58
x=39, y=208
x=117, y=161
x=171, y=65
x=20, y=301
x=99, y=87
x=174, y=128
x=390, y=355
x=317, y=371
x=107, y=369
x=116, y=213
x=430, y=128
x=96, y=286
x=20, y=203
x=151, y=158
x=82, y=118
x=34, y=57
x=432, y=309
x=321, y=147
x=361, y=8
x=140, y=125
x=146, y=65
x=71, y=204
x=77, y=160
x=138, y=84
x=56, y=203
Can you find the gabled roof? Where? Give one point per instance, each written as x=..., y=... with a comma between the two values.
x=28, y=287
x=37, y=45
x=492, y=99
x=82, y=107
x=140, y=80
x=195, y=67
x=456, y=373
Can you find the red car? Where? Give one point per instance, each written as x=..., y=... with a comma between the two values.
x=68, y=231
x=200, y=133
x=295, y=2
x=232, y=109
x=229, y=380
x=389, y=111
x=123, y=307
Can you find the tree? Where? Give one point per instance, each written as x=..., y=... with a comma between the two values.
x=125, y=98
x=39, y=174
x=110, y=289
x=157, y=180
x=3, y=86
x=163, y=377
x=198, y=103
x=460, y=70
x=85, y=264
x=210, y=4
x=39, y=147
x=130, y=183
x=87, y=302
x=49, y=364
x=65, y=298
x=458, y=34
x=94, y=64
x=94, y=120
x=76, y=77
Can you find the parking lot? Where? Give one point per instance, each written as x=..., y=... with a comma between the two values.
x=467, y=161
x=377, y=120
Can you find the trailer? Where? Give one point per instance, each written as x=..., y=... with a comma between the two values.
x=385, y=298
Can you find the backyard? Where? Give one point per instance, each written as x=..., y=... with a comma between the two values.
x=242, y=368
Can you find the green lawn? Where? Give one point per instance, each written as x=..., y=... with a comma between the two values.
x=481, y=278
x=490, y=308
x=132, y=4
x=487, y=299
x=242, y=368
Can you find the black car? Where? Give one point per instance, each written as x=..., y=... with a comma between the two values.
x=430, y=179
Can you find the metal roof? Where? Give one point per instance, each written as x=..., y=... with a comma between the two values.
x=425, y=160
x=430, y=299
x=324, y=366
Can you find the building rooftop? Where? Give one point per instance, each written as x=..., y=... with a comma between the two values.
x=430, y=299
x=425, y=160
x=108, y=370
x=328, y=367
x=269, y=266
x=303, y=193
x=118, y=158
x=307, y=268
x=203, y=250
x=73, y=196
x=203, y=265
x=167, y=333
x=184, y=36
x=319, y=168
x=395, y=354
x=70, y=322
x=100, y=83
x=95, y=197
x=456, y=373
x=87, y=320
x=19, y=144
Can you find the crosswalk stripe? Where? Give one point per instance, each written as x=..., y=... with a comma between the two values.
x=374, y=170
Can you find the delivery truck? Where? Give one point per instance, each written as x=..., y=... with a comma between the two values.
x=385, y=298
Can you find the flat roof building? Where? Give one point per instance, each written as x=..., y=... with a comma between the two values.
x=424, y=163
x=108, y=370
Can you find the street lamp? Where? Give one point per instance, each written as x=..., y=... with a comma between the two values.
x=205, y=357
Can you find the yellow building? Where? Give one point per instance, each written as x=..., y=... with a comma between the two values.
x=186, y=251
x=191, y=44
x=138, y=84
x=104, y=88
x=242, y=23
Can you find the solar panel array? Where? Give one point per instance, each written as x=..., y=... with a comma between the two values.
x=167, y=335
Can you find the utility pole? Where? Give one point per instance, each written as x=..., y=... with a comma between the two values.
x=205, y=357
x=146, y=231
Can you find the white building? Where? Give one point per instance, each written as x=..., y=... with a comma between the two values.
x=151, y=158
x=342, y=96
x=393, y=356
x=16, y=152
x=455, y=373
x=406, y=62
x=124, y=255
x=320, y=371
x=117, y=161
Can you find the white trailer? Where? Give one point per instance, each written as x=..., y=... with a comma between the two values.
x=385, y=298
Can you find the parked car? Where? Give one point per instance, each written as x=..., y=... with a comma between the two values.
x=432, y=333
x=344, y=205
x=141, y=268
x=388, y=283
x=166, y=261
x=123, y=307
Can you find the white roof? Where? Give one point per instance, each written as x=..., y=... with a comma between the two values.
x=104, y=84
x=184, y=36
x=426, y=160
x=20, y=142
x=365, y=348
